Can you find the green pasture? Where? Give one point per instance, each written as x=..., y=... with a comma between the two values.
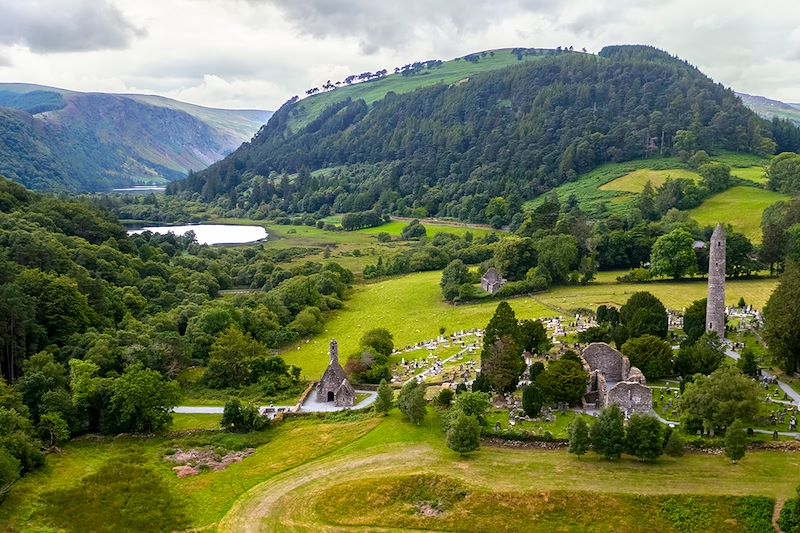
x=635, y=181
x=411, y=307
x=741, y=207
x=756, y=174
x=311, y=474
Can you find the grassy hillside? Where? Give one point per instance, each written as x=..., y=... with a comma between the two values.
x=376, y=473
x=452, y=71
x=614, y=186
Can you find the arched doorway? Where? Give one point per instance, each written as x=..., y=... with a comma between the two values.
x=330, y=395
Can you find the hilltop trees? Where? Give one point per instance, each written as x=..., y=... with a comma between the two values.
x=642, y=314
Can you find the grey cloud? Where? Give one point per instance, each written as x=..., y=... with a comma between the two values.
x=222, y=65
x=46, y=26
x=391, y=24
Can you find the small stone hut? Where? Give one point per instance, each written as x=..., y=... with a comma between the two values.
x=613, y=381
x=334, y=386
x=492, y=281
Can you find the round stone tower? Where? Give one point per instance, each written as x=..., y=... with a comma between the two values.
x=715, y=309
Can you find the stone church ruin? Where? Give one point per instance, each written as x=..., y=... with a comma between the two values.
x=613, y=381
x=334, y=386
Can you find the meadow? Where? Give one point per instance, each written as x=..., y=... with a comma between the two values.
x=635, y=181
x=411, y=307
x=360, y=470
x=741, y=207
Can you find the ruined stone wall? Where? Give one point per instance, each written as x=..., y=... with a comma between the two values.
x=632, y=398
x=609, y=361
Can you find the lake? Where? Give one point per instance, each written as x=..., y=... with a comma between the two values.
x=213, y=233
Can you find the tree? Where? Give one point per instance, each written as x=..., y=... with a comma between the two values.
x=649, y=354
x=673, y=255
x=694, y=319
x=782, y=320
x=385, y=398
x=704, y=356
x=414, y=231
x=514, y=256
x=735, y=441
x=380, y=340
x=716, y=176
x=532, y=400
x=142, y=401
x=675, y=446
x=445, y=397
x=607, y=315
x=533, y=336
x=230, y=359
x=473, y=404
x=240, y=418
x=720, y=398
x=747, y=363
x=502, y=364
x=501, y=357
x=454, y=276
x=644, y=438
x=536, y=368
x=644, y=314
x=783, y=173
x=608, y=433
x=53, y=430
x=579, y=440
x=558, y=254
x=564, y=380
x=464, y=434
x=411, y=401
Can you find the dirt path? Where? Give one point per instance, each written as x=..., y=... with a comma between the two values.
x=258, y=509
x=776, y=514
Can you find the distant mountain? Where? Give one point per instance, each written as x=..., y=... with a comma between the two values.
x=475, y=137
x=768, y=108
x=55, y=139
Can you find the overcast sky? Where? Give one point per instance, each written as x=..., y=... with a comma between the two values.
x=258, y=53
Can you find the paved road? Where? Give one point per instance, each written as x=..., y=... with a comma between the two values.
x=784, y=387
x=309, y=406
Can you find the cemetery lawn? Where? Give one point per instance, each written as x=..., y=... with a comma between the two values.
x=412, y=309
x=741, y=207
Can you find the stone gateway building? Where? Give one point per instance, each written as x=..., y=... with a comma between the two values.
x=334, y=386
x=613, y=381
x=491, y=282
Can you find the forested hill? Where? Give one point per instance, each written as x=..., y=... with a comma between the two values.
x=449, y=148
x=54, y=139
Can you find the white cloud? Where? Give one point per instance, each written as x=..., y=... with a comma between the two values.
x=258, y=53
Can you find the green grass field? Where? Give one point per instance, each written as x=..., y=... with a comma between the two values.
x=635, y=181
x=740, y=207
x=756, y=174
x=449, y=72
x=411, y=307
x=312, y=475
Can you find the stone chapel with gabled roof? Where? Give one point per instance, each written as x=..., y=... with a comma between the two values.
x=334, y=386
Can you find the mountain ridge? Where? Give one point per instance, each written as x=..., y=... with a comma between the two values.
x=453, y=149
x=97, y=141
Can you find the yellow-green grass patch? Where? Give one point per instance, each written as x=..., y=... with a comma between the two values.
x=756, y=174
x=741, y=207
x=190, y=421
x=636, y=180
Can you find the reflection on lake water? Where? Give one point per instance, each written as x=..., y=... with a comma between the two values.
x=212, y=233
